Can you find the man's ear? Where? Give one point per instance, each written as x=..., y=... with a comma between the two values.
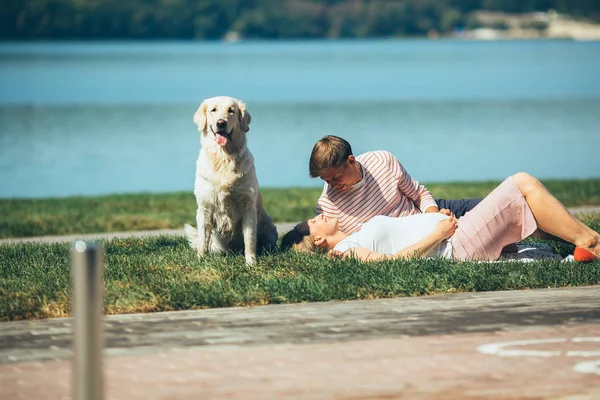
x=245, y=116
x=200, y=117
x=351, y=160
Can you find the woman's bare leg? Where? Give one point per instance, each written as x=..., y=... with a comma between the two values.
x=552, y=216
x=540, y=234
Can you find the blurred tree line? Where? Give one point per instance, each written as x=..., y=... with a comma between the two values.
x=266, y=19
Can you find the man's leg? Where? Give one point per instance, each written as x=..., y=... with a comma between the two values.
x=458, y=207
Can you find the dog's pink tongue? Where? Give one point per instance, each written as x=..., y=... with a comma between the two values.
x=221, y=140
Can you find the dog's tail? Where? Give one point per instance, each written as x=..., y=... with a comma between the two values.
x=191, y=234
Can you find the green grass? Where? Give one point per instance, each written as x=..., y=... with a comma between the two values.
x=62, y=216
x=129, y=212
x=161, y=274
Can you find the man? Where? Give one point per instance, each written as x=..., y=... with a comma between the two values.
x=374, y=183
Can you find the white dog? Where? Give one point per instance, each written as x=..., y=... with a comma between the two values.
x=230, y=215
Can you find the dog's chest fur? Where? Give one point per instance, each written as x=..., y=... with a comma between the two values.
x=223, y=190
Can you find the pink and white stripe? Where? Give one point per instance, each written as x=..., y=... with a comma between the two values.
x=386, y=189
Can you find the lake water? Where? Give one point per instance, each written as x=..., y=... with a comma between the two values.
x=96, y=118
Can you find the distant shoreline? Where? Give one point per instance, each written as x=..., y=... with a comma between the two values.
x=289, y=40
x=485, y=26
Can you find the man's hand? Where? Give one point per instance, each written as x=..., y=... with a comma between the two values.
x=446, y=227
x=445, y=211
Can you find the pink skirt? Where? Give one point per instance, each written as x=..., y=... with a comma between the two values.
x=502, y=218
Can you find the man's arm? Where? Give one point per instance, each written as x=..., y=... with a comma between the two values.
x=418, y=194
x=444, y=211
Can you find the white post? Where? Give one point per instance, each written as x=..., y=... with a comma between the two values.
x=87, y=307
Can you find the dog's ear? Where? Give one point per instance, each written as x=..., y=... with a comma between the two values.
x=200, y=117
x=245, y=117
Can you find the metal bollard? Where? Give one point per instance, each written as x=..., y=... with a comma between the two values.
x=87, y=307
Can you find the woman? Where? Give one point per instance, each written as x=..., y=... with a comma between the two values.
x=513, y=211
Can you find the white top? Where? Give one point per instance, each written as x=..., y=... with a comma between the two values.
x=389, y=235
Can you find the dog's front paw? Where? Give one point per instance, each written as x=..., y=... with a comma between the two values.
x=201, y=252
x=250, y=259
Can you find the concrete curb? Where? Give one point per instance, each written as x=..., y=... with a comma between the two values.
x=281, y=228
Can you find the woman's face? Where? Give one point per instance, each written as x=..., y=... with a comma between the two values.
x=322, y=226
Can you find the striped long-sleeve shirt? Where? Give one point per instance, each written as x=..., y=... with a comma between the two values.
x=385, y=189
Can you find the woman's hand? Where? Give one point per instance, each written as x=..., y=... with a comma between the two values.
x=335, y=254
x=446, y=227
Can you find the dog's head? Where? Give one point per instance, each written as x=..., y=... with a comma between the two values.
x=222, y=119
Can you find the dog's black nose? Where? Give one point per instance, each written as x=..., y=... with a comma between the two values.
x=221, y=124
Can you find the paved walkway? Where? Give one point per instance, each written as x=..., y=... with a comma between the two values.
x=534, y=344
x=282, y=227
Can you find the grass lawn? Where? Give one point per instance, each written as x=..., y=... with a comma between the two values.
x=70, y=215
x=160, y=274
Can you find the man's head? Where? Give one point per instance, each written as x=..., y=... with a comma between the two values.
x=332, y=161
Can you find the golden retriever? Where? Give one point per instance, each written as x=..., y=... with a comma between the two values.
x=230, y=216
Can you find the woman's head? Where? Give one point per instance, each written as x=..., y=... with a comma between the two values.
x=311, y=235
x=299, y=239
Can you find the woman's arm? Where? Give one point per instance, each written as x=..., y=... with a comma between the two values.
x=444, y=230
x=417, y=250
